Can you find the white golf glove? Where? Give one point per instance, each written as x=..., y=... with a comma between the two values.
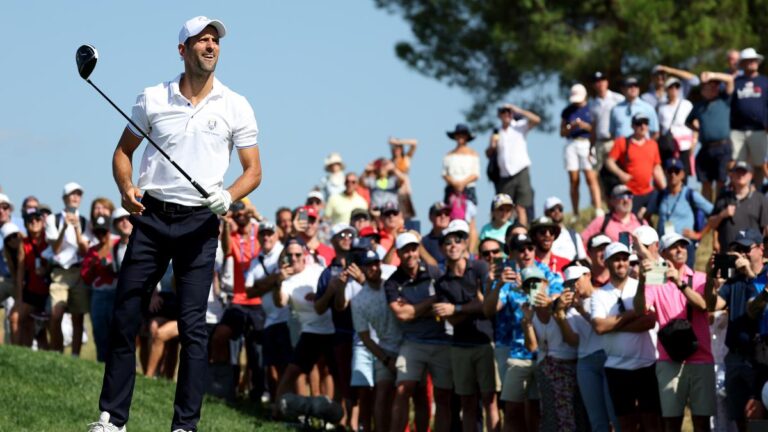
x=219, y=201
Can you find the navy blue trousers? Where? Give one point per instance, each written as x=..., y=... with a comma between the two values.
x=190, y=238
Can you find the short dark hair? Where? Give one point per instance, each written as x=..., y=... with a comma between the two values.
x=281, y=210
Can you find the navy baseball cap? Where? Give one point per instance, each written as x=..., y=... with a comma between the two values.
x=630, y=81
x=748, y=237
x=597, y=76
x=673, y=163
x=741, y=165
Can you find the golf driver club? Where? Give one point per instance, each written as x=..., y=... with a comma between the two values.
x=86, y=58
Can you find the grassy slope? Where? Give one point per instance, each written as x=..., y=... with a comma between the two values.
x=43, y=391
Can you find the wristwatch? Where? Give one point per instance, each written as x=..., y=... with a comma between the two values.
x=458, y=308
x=682, y=286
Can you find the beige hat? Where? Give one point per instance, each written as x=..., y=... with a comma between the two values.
x=334, y=158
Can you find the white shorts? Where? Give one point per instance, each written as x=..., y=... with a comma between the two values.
x=749, y=146
x=576, y=155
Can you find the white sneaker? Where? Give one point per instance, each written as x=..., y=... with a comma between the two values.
x=103, y=425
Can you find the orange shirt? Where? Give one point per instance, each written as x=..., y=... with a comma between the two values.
x=642, y=158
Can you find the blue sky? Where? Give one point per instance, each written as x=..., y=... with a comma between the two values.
x=321, y=77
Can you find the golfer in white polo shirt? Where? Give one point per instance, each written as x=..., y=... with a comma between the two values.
x=197, y=121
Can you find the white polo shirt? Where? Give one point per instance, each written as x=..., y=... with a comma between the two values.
x=625, y=350
x=68, y=255
x=512, y=150
x=198, y=138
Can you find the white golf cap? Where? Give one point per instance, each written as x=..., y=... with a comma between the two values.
x=615, y=248
x=750, y=54
x=119, y=213
x=340, y=228
x=551, y=202
x=633, y=258
x=71, y=187
x=404, y=239
x=598, y=240
x=459, y=226
x=4, y=199
x=574, y=272
x=668, y=240
x=194, y=26
x=8, y=229
x=671, y=81
x=316, y=194
x=578, y=94
x=646, y=235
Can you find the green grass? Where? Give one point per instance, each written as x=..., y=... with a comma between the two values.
x=43, y=391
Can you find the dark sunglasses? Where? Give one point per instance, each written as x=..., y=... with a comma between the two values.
x=487, y=253
x=557, y=208
x=547, y=230
x=452, y=240
x=674, y=170
x=295, y=255
x=390, y=213
x=5, y=207
x=640, y=123
x=526, y=248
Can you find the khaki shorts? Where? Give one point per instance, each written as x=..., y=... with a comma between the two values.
x=681, y=382
x=381, y=371
x=6, y=287
x=415, y=359
x=519, y=381
x=749, y=146
x=68, y=288
x=474, y=368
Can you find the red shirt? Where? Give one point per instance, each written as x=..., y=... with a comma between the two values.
x=556, y=263
x=642, y=159
x=243, y=249
x=325, y=252
x=94, y=272
x=33, y=249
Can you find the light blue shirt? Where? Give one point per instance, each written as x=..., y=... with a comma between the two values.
x=676, y=209
x=621, y=117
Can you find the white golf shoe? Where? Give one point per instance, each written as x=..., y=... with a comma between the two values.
x=103, y=425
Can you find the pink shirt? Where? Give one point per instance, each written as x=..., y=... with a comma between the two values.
x=612, y=230
x=669, y=303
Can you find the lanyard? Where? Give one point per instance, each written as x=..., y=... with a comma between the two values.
x=674, y=206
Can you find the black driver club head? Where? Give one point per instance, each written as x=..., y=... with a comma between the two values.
x=86, y=57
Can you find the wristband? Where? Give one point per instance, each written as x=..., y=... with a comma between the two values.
x=683, y=286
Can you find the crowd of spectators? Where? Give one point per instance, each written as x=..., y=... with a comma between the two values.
x=523, y=324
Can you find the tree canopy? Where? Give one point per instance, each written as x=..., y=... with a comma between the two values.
x=491, y=48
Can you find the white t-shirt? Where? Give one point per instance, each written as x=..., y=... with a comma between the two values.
x=459, y=166
x=370, y=311
x=589, y=341
x=563, y=246
x=550, y=339
x=274, y=314
x=297, y=287
x=512, y=149
x=68, y=255
x=625, y=350
x=198, y=138
x=680, y=131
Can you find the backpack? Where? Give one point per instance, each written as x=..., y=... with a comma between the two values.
x=677, y=336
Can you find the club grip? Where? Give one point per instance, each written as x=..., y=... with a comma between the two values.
x=200, y=189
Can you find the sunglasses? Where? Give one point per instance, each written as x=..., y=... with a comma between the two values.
x=295, y=255
x=351, y=181
x=557, y=209
x=30, y=219
x=491, y=252
x=313, y=201
x=526, y=248
x=5, y=207
x=550, y=231
x=640, y=123
x=452, y=240
x=346, y=235
x=390, y=213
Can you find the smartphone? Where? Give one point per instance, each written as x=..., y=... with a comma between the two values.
x=499, y=263
x=624, y=238
x=657, y=275
x=535, y=288
x=724, y=265
x=287, y=260
x=303, y=217
x=72, y=210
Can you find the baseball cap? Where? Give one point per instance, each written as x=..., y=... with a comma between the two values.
x=359, y=213
x=71, y=187
x=315, y=194
x=598, y=240
x=745, y=238
x=578, y=93
x=668, y=240
x=532, y=272
x=340, y=228
x=544, y=222
x=551, y=202
x=390, y=207
x=30, y=213
x=311, y=211
x=194, y=26
x=620, y=190
x=119, y=213
x=501, y=200
x=367, y=257
x=673, y=163
x=671, y=81
x=457, y=226
x=574, y=272
x=646, y=235
x=369, y=231
x=615, y=248
x=640, y=117
x=519, y=240
x=404, y=239
x=8, y=229
x=45, y=208
x=633, y=258
x=439, y=207
x=741, y=165
x=598, y=75
x=630, y=81
x=267, y=226
x=101, y=223
x=4, y=199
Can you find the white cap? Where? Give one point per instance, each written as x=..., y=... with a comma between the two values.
x=456, y=226
x=4, y=199
x=750, y=54
x=615, y=248
x=404, y=239
x=340, y=228
x=574, y=272
x=578, y=94
x=9, y=228
x=119, y=213
x=646, y=235
x=315, y=194
x=71, y=187
x=670, y=81
x=551, y=202
x=599, y=240
x=194, y=26
x=668, y=240
x=633, y=257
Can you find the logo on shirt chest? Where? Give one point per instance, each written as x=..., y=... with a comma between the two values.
x=212, y=124
x=750, y=90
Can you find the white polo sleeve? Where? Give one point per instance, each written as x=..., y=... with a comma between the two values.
x=139, y=116
x=599, y=308
x=245, y=131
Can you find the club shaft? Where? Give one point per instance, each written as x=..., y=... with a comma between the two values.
x=199, y=188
